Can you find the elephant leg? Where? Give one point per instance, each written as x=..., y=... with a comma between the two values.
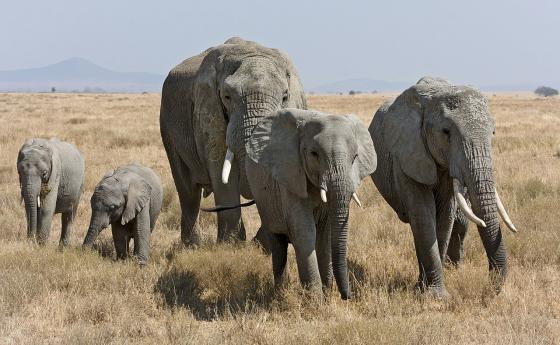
x=304, y=242
x=189, y=199
x=324, y=257
x=279, y=250
x=308, y=268
x=263, y=238
x=67, y=221
x=230, y=224
x=423, y=223
x=456, y=251
x=121, y=239
x=46, y=215
x=446, y=209
x=142, y=236
x=427, y=252
x=323, y=247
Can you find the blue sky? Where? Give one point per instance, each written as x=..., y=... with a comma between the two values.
x=477, y=42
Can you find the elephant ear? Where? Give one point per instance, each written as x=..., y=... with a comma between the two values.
x=402, y=132
x=274, y=145
x=207, y=107
x=296, y=93
x=138, y=197
x=366, y=162
x=56, y=165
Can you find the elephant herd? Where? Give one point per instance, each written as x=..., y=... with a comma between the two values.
x=234, y=123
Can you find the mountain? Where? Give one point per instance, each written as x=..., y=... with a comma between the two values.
x=370, y=85
x=77, y=74
x=360, y=84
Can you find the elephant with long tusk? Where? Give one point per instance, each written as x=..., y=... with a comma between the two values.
x=210, y=104
x=434, y=140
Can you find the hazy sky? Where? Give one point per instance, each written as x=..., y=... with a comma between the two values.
x=476, y=41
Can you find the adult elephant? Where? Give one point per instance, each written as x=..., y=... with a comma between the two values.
x=432, y=142
x=210, y=104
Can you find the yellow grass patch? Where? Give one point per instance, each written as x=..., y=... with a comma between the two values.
x=224, y=293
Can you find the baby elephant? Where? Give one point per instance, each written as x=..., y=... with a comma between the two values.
x=51, y=175
x=129, y=199
x=303, y=168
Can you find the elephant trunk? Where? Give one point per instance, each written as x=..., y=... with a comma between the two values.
x=95, y=227
x=255, y=106
x=91, y=236
x=31, y=188
x=339, y=195
x=482, y=193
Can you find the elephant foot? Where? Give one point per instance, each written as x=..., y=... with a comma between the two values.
x=141, y=262
x=497, y=280
x=191, y=241
x=433, y=291
x=190, y=245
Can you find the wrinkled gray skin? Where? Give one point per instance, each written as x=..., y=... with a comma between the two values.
x=431, y=133
x=292, y=154
x=129, y=199
x=211, y=102
x=52, y=170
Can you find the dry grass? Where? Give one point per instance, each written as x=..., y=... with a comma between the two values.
x=224, y=293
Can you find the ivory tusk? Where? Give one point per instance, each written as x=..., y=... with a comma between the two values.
x=323, y=195
x=355, y=197
x=462, y=203
x=38, y=202
x=227, y=166
x=503, y=213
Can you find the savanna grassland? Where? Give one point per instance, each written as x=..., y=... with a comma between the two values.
x=224, y=293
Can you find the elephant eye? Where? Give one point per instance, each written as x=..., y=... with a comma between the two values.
x=227, y=97
x=315, y=154
x=445, y=131
x=44, y=174
x=285, y=97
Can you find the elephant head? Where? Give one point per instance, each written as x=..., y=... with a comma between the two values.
x=435, y=125
x=311, y=153
x=38, y=168
x=117, y=198
x=239, y=83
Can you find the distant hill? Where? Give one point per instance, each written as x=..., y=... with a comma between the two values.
x=370, y=85
x=360, y=84
x=77, y=74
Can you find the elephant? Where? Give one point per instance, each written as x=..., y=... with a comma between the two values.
x=303, y=168
x=434, y=147
x=210, y=104
x=129, y=198
x=51, y=175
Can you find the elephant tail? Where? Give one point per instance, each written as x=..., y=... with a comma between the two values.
x=225, y=208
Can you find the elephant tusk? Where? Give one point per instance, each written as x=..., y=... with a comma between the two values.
x=355, y=197
x=462, y=203
x=227, y=166
x=38, y=201
x=503, y=213
x=323, y=195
